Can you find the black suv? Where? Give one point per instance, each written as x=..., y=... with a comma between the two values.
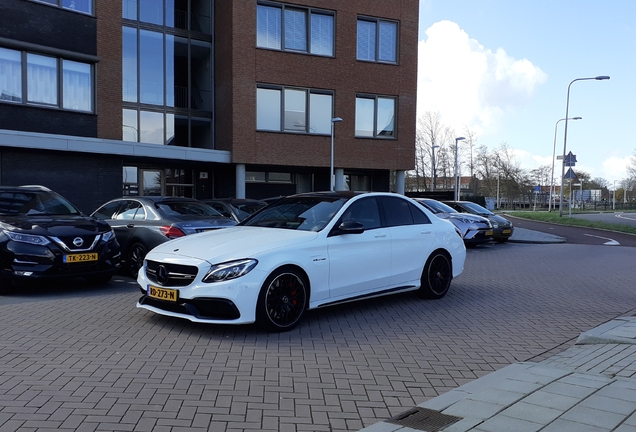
x=43, y=236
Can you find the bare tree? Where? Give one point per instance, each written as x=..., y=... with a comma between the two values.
x=431, y=136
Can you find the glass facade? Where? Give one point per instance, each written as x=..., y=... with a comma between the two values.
x=167, y=83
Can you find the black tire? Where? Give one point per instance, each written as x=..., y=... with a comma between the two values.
x=436, y=276
x=135, y=259
x=99, y=280
x=282, y=300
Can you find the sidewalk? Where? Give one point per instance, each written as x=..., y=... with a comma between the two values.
x=590, y=387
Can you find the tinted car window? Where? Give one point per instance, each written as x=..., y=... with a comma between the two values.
x=418, y=215
x=35, y=203
x=364, y=211
x=219, y=207
x=128, y=210
x=397, y=211
x=107, y=210
x=187, y=208
x=438, y=207
x=476, y=208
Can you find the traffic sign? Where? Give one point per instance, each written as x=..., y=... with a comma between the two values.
x=570, y=174
x=570, y=159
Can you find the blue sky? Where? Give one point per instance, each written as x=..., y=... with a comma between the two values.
x=502, y=69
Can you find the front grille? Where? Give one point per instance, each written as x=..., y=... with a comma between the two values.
x=176, y=275
x=87, y=243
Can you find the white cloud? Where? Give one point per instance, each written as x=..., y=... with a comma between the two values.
x=470, y=85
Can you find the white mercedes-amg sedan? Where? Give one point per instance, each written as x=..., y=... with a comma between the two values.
x=303, y=252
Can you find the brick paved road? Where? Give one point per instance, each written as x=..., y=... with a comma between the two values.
x=86, y=359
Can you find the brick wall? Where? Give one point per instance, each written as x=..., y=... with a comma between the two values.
x=238, y=74
x=109, y=69
x=86, y=180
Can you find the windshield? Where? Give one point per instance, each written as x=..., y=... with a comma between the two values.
x=308, y=213
x=476, y=208
x=438, y=207
x=184, y=208
x=243, y=210
x=35, y=203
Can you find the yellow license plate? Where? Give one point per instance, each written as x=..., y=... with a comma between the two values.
x=163, y=293
x=77, y=258
x=507, y=231
x=488, y=233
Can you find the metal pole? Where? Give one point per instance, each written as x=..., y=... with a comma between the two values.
x=552, y=188
x=565, y=135
x=456, y=163
x=332, y=179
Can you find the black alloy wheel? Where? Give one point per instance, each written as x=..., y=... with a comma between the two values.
x=437, y=276
x=135, y=260
x=282, y=300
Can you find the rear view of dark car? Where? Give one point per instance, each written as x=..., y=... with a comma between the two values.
x=43, y=236
x=141, y=223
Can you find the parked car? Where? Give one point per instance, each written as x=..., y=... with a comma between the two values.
x=475, y=229
x=235, y=208
x=501, y=227
x=141, y=223
x=302, y=252
x=44, y=237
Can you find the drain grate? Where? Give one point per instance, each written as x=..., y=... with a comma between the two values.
x=424, y=419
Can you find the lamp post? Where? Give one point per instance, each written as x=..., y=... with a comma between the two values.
x=456, y=162
x=550, y=205
x=433, y=160
x=331, y=175
x=565, y=135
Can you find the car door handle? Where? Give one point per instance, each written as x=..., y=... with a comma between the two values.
x=130, y=226
x=379, y=235
x=425, y=231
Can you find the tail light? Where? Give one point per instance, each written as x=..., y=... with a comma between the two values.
x=171, y=231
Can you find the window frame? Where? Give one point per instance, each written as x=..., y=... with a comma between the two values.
x=376, y=132
x=60, y=101
x=61, y=4
x=309, y=42
x=378, y=36
x=307, y=114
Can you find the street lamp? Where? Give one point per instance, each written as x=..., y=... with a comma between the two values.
x=433, y=176
x=456, y=161
x=550, y=205
x=565, y=135
x=331, y=175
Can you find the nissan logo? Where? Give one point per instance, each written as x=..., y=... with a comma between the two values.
x=162, y=275
x=78, y=242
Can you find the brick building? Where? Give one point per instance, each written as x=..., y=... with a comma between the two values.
x=206, y=98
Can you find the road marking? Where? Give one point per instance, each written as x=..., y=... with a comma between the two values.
x=622, y=216
x=611, y=242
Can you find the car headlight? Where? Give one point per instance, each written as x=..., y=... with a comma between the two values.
x=229, y=270
x=27, y=238
x=108, y=235
x=495, y=224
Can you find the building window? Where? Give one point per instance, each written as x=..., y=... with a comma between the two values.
x=44, y=84
x=375, y=116
x=10, y=75
x=85, y=6
x=377, y=40
x=193, y=15
x=41, y=79
x=77, y=86
x=294, y=110
x=267, y=177
x=288, y=28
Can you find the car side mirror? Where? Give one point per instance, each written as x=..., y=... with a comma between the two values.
x=350, y=227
